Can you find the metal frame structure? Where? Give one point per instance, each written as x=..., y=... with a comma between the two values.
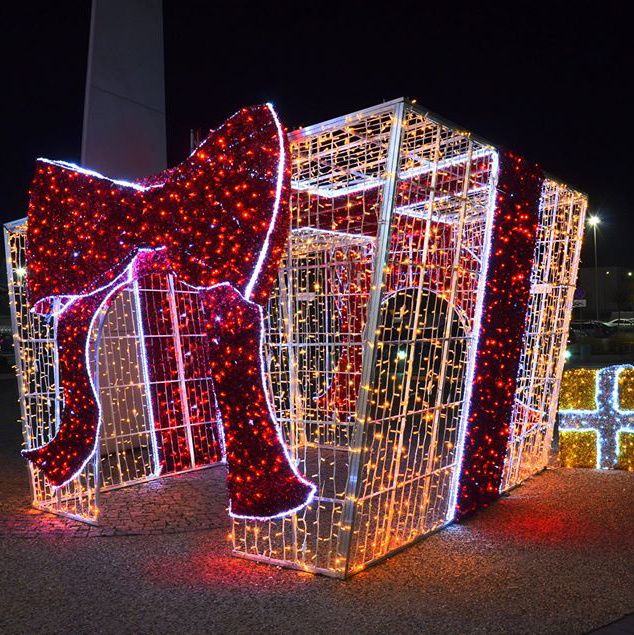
x=396, y=206
x=37, y=371
x=154, y=422
x=559, y=238
x=370, y=345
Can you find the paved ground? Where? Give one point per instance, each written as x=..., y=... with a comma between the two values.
x=557, y=556
x=624, y=626
x=175, y=504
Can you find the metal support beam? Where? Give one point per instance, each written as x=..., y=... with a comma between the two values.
x=357, y=455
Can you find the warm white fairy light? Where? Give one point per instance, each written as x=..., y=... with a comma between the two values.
x=38, y=385
x=559, y=238
x=423, y=337
x=128, y=451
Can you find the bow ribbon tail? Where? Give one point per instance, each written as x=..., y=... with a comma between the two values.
x=62, y=458
x=262, y=480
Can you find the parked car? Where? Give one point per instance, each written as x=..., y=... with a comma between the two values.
x=591, y=328
x=621, y=323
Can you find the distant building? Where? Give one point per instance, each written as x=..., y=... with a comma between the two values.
x=616, y=293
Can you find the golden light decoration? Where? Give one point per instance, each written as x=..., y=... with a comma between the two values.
x=578, y=389
x=626, y=451
x=578, y=448
x=611, y=419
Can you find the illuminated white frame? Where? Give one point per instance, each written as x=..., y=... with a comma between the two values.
x=374, y=183
x=408, y=210
x=477, y=323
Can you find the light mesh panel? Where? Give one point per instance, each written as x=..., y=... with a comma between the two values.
x=38, y=386
x=374, y=415
x=559, y=238
x=179, y=374
x=425, y=338
x=127, y=451
x=153, y=382
x=315, y=331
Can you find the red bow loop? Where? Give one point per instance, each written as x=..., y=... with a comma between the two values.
x=213, y=214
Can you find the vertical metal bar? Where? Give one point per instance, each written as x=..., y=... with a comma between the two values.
x=596, y=272
x=411, y=356
x=357, y=452
x=137, y=318
x=56, y=380
x=97, y=476
x=96, y=463
x=106, y=403
x=286, y=309
x=58, y=394
x=180, y=368
x=287, y=293
x=447, y=334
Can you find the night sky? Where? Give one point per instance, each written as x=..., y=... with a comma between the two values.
x=549, y=82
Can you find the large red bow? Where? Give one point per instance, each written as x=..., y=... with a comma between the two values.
x=218, y=221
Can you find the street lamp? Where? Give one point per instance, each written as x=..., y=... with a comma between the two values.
x=593, y=221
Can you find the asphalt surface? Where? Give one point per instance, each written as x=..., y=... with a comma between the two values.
x=556, y=556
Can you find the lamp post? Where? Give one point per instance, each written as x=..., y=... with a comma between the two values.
x=593, y=221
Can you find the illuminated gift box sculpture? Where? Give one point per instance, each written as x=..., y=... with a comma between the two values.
x=155, y=289
x=596, y=418
x=414, y=341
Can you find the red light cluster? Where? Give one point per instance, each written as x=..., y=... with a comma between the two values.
x=501, y=332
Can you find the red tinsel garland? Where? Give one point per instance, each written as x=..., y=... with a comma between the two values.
x=218, y=221
x=502, y=330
